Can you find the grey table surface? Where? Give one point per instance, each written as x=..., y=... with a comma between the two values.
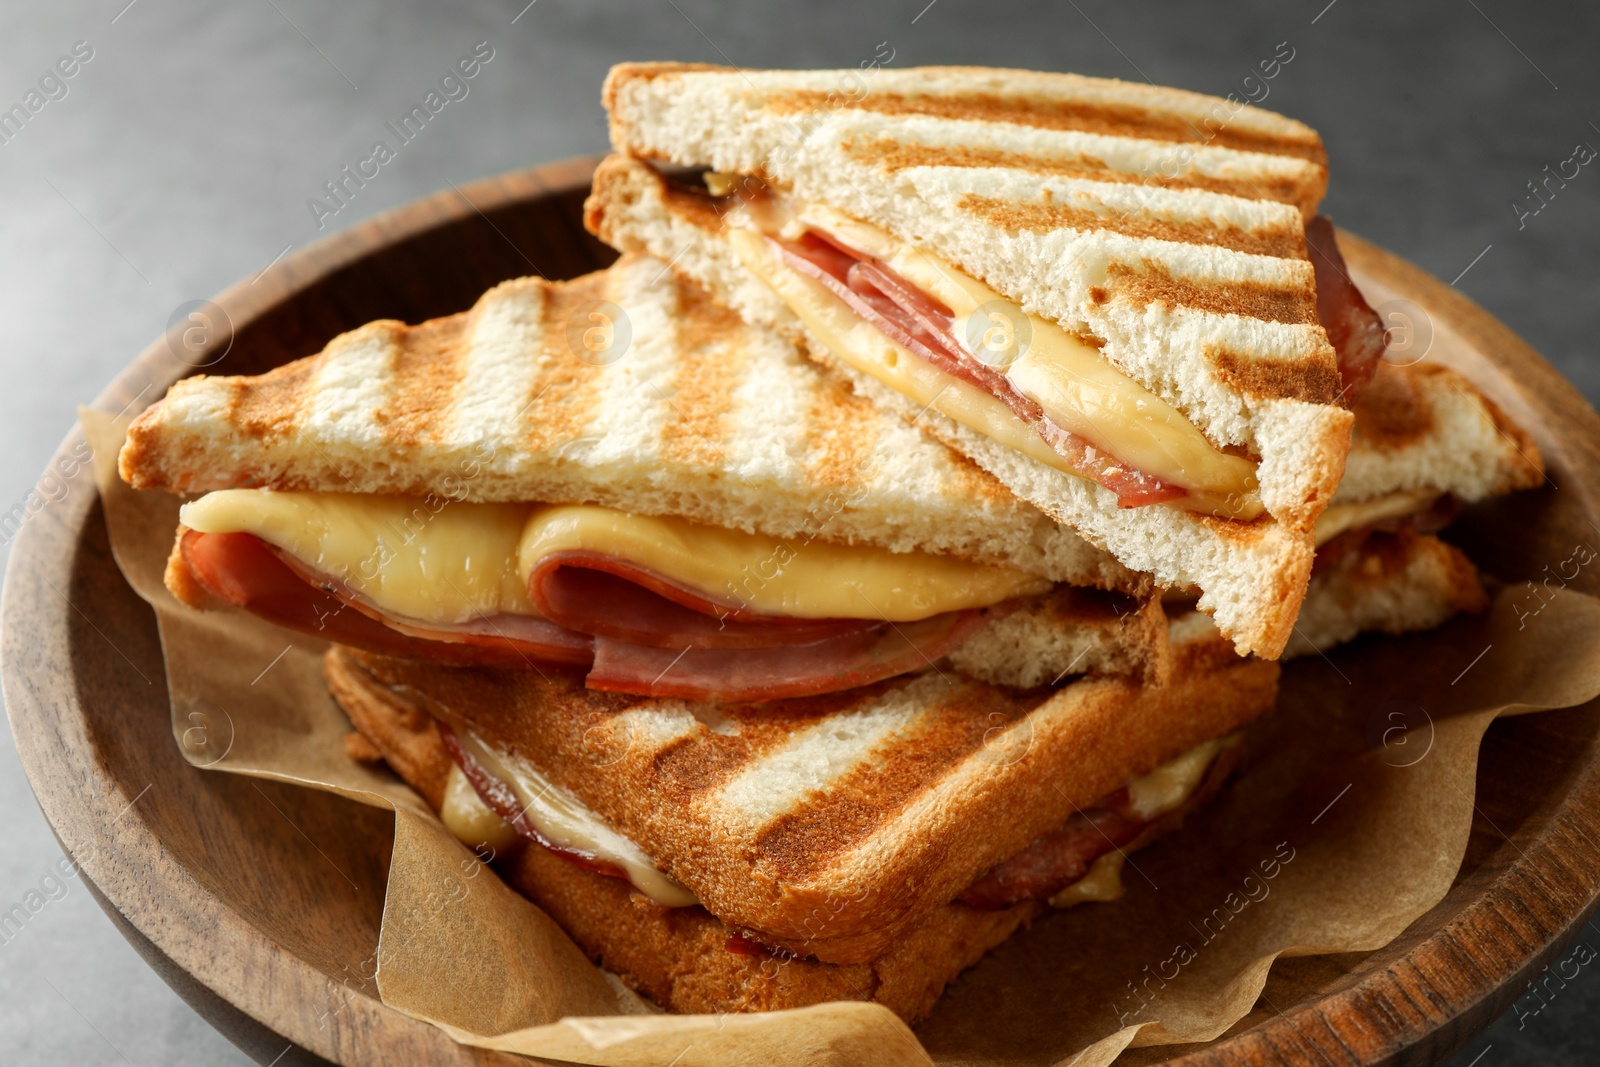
x=181, y=155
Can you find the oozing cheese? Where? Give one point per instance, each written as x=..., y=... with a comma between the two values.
x=1341, y=518
x=1102, y=883
x=559, y=818
x=474, y=823
x=1070, y=380
x=451, y=562
x=1170, y=784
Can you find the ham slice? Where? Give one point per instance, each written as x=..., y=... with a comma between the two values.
x=1054, y=860
x=925, y=327
x=1354, y=329
x=794, y=670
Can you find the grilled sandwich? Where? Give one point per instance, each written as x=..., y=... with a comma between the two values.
x=1117, y=299
x=864, y=846
x=615, y=473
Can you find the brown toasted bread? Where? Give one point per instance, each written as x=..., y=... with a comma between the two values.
x=868, y=808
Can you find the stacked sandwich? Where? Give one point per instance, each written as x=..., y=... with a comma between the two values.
x=898, y=535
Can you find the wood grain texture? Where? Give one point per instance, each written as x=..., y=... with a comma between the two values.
x=178, y=855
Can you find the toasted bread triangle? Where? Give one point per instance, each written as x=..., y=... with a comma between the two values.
x=665, y=404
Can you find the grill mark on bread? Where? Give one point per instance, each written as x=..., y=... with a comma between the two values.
x=275, y=402
x=711, y=364
x=565, y=388
x=1393, y=410
x=1117, y=120
x=1044, y=217
x=802, y=843
x=1292, y=305
x=894, y=155
x=428, y=366
x=841, y=438
x=1315, y=380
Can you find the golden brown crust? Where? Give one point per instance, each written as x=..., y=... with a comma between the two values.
x=622, y=73
x=1113, y=119
x=892, y=155
x=1366, y=561
x=679, y=957
x=1290, y=304
x=407, y=738
x=182, y=583
x=1315, y=381
x=1393, y=410
x=1399, y=409
x=358, y=748
x=1288, y=242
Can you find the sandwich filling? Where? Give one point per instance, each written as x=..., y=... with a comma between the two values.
x=495, y=798
x=655, y=606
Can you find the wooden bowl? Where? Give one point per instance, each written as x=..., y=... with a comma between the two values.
x=178, y=857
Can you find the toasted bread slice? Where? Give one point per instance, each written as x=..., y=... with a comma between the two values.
x=1424, y=426
x=1077, y=126
x=1392, y=582
x=687, y=959
x=831, y=827
x=1070, y=631
x=664, y=404
x=679, y=957
x=1252, y=574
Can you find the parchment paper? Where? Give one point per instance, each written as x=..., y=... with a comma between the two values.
x=1347, y=823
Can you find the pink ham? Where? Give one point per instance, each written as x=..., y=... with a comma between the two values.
x=247, y=572
x=1354, y=329
x=502, y=799
x=795, y=670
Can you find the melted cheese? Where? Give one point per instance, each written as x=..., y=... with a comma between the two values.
x=432, y=560
x=1342, y=518
x=812, y=581
x=465, y=561
x=1169, y=785
x=1102, y=883
x=472, y=822
x=561, y=819
x=1071, y=382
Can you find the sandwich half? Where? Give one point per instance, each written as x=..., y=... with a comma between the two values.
x=1117, y=299
x=616, y=474
x=867, y=846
